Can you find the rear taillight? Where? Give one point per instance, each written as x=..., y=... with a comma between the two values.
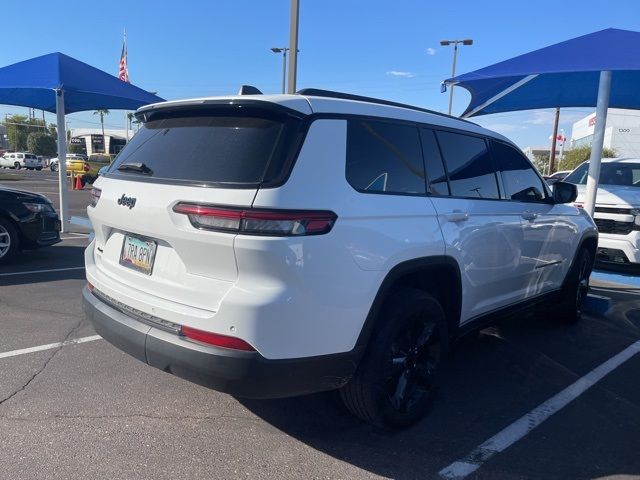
x=281, y=223
x=95, y=196
x=86, y=167
x=215, y=339
x=90, y=287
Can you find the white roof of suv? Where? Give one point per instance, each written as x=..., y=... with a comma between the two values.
x=326, y=102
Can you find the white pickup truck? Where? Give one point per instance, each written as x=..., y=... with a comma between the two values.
x=617, y=212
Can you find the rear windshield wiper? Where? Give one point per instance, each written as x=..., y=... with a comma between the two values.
x=135, y=167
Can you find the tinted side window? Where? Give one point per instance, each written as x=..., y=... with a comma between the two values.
x=469, y=164
x=384, y=157
x=520, y=180
x=438, y=184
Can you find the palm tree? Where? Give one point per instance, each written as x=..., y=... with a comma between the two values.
x=102, y=112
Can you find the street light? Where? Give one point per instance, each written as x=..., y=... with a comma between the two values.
x=444, y=43
x=284, y=51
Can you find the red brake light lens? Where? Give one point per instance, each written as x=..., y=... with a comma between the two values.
x=282, y=223
x=216, y=339
x=95, y=196
x=86, y=167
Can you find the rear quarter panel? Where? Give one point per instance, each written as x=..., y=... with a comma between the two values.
x=324, y=286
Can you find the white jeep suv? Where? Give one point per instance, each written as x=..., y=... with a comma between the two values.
x=277, y=245
x=617, y=212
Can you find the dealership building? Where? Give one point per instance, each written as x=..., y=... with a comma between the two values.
x=622, y=132
x=90, y=140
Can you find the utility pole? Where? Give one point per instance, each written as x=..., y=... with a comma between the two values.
x=554, y=138
x=293, y=45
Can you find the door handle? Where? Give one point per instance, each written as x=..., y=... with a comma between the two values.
x=457, y=216
x=531, y=216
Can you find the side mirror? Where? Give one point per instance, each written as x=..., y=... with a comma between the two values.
x=564, y=192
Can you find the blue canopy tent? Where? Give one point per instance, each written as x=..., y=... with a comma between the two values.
x=601, y=69
x=60, y=84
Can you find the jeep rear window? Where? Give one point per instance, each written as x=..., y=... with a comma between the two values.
x=208, y=147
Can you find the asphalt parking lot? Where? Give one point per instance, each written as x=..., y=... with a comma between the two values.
x=72, y=406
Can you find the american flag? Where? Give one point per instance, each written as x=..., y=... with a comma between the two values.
x=123, y=71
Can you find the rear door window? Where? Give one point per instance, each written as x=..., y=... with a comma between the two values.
x=384, y=158
x=520, y=180
x=469, y=164
x=207, y=147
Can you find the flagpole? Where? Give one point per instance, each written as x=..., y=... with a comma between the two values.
x=126, y=117
x=564, y=140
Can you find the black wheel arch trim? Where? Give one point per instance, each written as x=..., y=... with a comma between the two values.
x=587, y=237
x=403, y=270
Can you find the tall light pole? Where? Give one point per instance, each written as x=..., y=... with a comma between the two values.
x=444, y=43
x=284, y=51
x=293, y=46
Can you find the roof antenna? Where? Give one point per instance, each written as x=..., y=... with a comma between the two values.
x=249, y=90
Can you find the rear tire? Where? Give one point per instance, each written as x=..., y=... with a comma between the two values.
x=9, y=241
x=54, y=167
x=395, y=382
x=576, y=288
x=17, y=165
x=38, y=168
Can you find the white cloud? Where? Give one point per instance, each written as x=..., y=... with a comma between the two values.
x=505, y=127
x=395, y=73
x=431, y=51
x=545, y=117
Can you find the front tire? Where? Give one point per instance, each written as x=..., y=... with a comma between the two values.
x=395, y=382
x=9, y=241
x=576, y=288
x=54, y=167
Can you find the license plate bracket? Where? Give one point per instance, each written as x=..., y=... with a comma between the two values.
x=138, y=253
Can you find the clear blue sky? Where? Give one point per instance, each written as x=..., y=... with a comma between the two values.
x=197, y=48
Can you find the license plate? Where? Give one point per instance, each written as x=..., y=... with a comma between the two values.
x=138, y=254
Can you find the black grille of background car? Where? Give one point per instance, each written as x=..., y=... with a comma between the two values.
x=613, y=226
x=623, y=211
x=611, y=255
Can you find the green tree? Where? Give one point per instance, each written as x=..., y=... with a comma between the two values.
x=575, y=156
x=16, y=126
x=541, y=162
x=41, y=143
x=102, y=112
x=18, y=129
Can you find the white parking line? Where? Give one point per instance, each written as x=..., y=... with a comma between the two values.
x=49, y=346
x=74, y=238
x=40, y=271
x=525, y=424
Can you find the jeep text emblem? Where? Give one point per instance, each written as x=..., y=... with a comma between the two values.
x=127, y=201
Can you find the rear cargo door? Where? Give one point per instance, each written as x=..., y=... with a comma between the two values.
x=208, y=157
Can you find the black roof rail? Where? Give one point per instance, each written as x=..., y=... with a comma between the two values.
x=317, y=92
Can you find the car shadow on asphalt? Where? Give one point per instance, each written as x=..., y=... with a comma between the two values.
x=61, y=262
x=492, y=378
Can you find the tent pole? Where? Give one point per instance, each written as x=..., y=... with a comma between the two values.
x=604, y=91
x=62, y=161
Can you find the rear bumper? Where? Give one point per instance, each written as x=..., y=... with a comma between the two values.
x=244, y=374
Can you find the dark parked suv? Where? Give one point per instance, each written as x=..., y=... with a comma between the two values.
x=27, y=221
